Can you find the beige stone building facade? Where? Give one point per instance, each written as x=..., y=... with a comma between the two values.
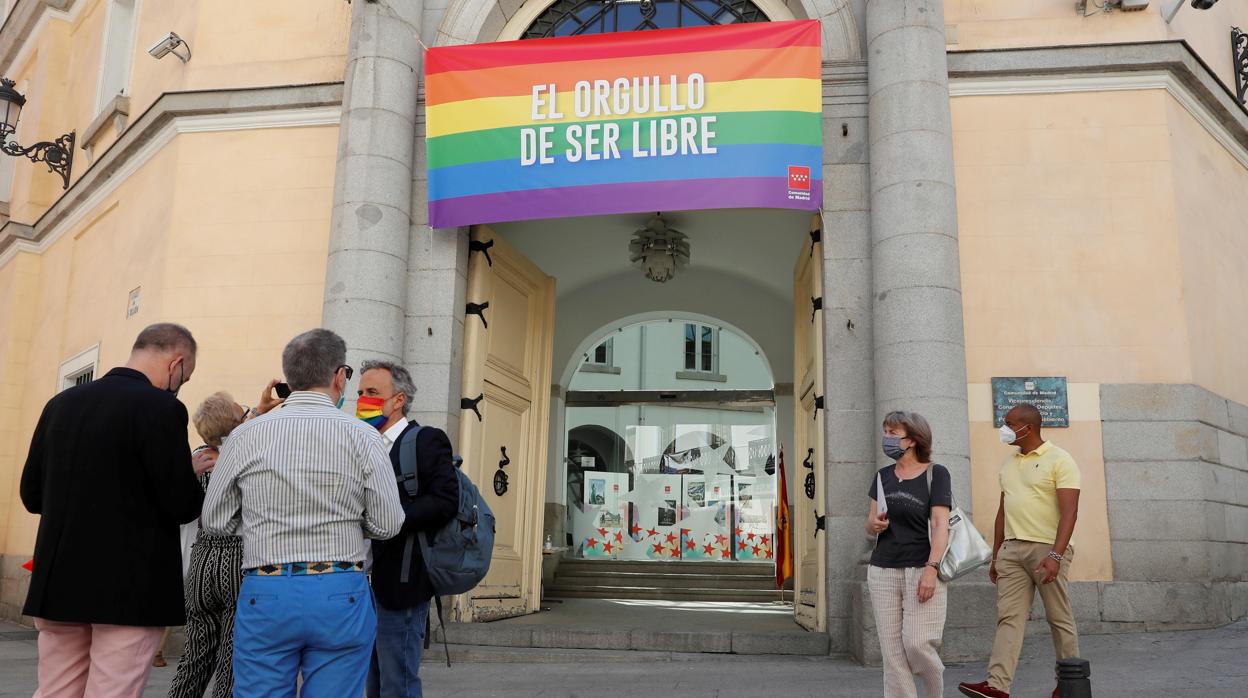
x=1010, y=189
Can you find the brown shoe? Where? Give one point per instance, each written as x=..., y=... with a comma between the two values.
x=981, y=690
x=159, y=659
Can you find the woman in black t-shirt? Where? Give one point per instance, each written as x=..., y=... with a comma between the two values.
x=906, y=594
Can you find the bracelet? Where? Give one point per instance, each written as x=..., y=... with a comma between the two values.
x=933, y=565
x=1055, y=556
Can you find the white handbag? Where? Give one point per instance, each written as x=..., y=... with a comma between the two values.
x=967, y=550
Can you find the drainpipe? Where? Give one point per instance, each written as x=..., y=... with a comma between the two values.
x=920, y=348
x=366, y=273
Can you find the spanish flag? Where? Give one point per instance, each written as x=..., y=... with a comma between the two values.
x=784, y=551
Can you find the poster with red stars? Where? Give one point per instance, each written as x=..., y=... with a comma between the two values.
x=705, y=526
x=599, y=523
x=754, y=518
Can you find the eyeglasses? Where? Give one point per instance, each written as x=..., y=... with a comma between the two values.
x=350, y=371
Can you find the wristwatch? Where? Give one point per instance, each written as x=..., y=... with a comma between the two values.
x=1055, y=556
x=933, y=565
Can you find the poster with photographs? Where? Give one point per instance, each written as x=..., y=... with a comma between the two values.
x=600, y=525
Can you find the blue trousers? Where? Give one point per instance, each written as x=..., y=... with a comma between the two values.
x=395, y=669
x=321, y=625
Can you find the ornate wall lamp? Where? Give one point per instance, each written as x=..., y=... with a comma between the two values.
x=58, y=154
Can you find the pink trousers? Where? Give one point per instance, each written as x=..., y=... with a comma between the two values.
x=82, y=660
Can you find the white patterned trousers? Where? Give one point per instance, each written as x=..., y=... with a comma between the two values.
x=910, y=632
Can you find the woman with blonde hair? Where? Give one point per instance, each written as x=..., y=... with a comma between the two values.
x=909, y=516
x=216, y=568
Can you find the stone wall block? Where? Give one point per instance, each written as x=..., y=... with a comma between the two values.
x=1238, y=417
x=381, y=278
x=1228, y=561
x=891, y=15
x=845, y=188
x=847, y=234
x=898, y=256
x=847, y=149
x=851, y=435
x=431, y=381
x=927, y=113
x=1144, y=481
x=905, y=57
x=850, y=286
x=361, y=225
x=368, y=130
x=372, y=328
x=1232, y=450
x=914, y=207
x=392, y=34
x=1173, y=520
x=1146, y=402
x=432, y=292
x=848, y=334
x=972, y=602
x=1158, y=602
x=853, y=381
x=899, y=162
x=1161, y=561
x=383, y=83
x=1153, y=441
x=377, y=180
x=429, y=339
x=924, y=358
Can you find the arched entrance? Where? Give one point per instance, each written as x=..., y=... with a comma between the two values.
x=637, y=469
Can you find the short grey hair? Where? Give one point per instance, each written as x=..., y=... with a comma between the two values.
x=400, y=376
x=165, y=336
x=310, y=360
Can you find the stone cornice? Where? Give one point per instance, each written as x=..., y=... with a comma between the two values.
x=204, y=110
x=1187, y=74
x=20, y=25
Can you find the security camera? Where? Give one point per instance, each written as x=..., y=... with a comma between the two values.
x=170, y=43
x=1203, y=4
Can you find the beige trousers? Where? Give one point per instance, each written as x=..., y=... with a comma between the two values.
x=1017, y=582
x=910, y=632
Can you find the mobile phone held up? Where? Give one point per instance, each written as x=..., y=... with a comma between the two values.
x=282, y=390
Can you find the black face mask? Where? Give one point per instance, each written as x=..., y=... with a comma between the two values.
x=181, y=380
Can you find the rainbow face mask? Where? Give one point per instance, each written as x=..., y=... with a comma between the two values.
x=369, y=410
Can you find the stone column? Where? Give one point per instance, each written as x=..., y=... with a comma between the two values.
x=366, y=275
x=919, y=348
x=849, y=430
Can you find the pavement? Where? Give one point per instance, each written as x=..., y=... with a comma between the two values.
x=1189, y=663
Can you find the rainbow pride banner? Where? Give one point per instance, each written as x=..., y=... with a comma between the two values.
x=666, y=120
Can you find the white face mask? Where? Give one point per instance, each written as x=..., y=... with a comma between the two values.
x=1007, y=434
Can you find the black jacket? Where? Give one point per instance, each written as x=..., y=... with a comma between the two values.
x=109, y=471
x=436, y=502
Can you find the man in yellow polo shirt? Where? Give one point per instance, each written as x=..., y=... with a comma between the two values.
x=1031, y=547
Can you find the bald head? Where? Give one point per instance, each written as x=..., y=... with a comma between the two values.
x=1025, y=413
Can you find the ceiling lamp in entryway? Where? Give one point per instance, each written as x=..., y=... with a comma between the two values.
x=659, y=250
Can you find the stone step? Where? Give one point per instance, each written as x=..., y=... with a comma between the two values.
x=482, y=654
x=665, y=594
x=758, y=569
x=580, y=578
x=514, y=635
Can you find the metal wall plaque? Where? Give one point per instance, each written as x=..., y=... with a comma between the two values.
x=1048, y=394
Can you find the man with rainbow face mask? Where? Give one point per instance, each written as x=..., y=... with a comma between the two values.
x=403, y=591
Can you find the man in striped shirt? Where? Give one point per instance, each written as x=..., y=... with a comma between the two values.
x=305, y=486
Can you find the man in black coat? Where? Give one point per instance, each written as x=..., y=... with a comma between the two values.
x=110, y=473
x=385, y=393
